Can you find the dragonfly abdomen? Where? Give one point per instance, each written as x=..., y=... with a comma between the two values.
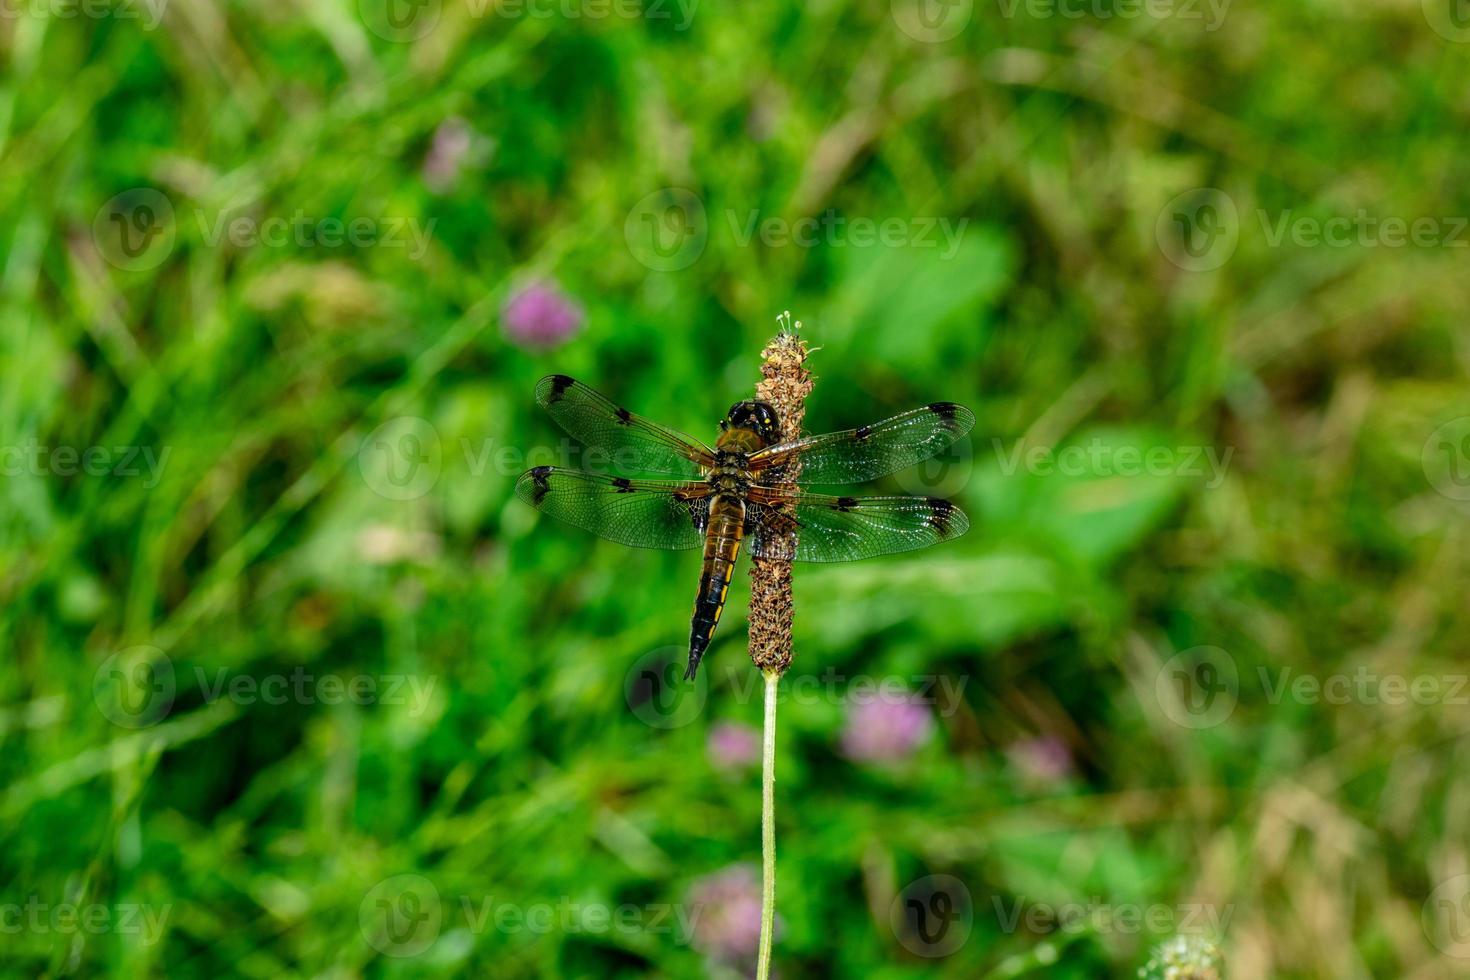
x=721, y=548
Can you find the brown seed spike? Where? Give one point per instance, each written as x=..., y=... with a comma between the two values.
x=785, y=385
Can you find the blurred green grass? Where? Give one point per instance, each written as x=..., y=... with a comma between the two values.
x=268, y=541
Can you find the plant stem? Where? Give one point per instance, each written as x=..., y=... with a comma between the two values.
x=768, y=828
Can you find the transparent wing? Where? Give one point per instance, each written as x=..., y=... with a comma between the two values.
x=642, y=513
x=798, y=526
x=871, y=451
x=634, y=444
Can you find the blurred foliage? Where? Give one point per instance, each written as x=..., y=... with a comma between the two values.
x=520, y=762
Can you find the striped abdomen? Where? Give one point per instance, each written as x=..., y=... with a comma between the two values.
x=721, y=548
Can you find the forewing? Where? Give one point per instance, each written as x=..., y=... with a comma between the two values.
x=664, y=514
x=830, y=528
x=634, y=444
x=871, y=451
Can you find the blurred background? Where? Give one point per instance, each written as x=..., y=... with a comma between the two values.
x=293, y=686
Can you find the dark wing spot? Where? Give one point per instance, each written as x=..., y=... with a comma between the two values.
x=625, y=416
x=540, y=485
x=862, y=432
x=941, y=515
x=846, y=504
x=947, y=411
x=559, y=385
x=623, y=484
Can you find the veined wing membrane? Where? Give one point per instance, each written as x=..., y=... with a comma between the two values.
x=666, y=514
x=871, y=451
x=827, y=528
x=635, y=444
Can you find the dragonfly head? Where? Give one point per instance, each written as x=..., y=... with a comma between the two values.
x=756, y=418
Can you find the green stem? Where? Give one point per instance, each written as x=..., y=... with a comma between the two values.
x=768, y=828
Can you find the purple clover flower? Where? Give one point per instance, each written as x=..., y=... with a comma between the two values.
x=886, y=729
x=1044, y=760
x=732, y=745
x=539, y=316
x=455, y=147
x=727, y=910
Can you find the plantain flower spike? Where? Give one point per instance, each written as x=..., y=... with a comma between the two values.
x=785, y=383
x=1185, y=958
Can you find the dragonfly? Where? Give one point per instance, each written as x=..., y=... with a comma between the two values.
x=741, y=492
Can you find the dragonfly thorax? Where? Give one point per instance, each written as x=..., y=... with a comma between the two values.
x=731, y=473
